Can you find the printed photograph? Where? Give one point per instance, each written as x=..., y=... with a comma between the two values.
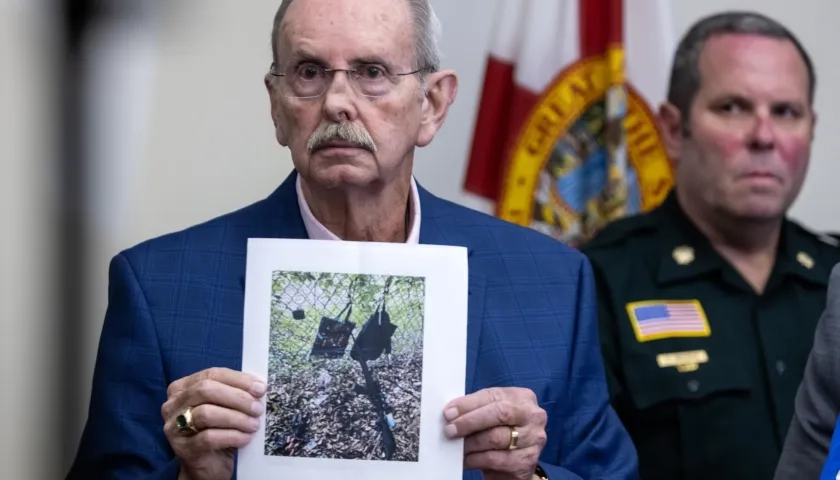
x=345, y=366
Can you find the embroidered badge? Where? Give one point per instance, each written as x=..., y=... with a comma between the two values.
x=683, y=255
x=805, y=260
x=687, y=361
x=658, y=319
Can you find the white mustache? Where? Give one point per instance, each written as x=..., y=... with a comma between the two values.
x=353, y=133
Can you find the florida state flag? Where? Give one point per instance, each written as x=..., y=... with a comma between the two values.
x=566, y=139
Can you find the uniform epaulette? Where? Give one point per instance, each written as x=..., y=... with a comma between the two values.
x=828, y=238
x=832, y=239
x=619, y=230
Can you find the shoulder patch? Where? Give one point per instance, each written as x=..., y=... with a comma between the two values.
x=831, y=239
x=658, y=319
x=618, y=230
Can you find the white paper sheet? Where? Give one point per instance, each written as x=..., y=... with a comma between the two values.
x=322, y=420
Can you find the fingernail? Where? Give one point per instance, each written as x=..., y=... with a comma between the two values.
x=450, y=414
x=257, y=408
x=450, y=431
x=255, y=422
x=258, y=388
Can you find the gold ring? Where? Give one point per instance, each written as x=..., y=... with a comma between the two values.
x=514, y=438
x=185, y=423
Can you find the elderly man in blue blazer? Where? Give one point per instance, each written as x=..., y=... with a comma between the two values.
x=355, y=87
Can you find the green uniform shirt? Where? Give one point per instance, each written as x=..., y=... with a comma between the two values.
x=702, y=370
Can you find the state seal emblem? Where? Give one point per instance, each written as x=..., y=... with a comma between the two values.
x=589, y=152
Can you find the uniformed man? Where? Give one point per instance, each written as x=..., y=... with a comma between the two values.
x=708, y=303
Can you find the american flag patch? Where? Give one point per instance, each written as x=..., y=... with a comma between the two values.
x=657, y=319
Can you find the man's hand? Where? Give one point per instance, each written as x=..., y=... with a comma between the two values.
x=487, y=419
x=225, y=410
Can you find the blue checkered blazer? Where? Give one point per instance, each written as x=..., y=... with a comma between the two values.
x=176, y=302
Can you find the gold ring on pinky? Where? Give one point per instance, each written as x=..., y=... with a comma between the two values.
x=514, y=439
x=184, y=422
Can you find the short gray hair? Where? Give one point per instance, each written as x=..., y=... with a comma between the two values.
x=427, y=32
x=685, y=72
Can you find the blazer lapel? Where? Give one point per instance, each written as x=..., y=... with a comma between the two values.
x=279, y=218
x=283, y=212
x=437, y=228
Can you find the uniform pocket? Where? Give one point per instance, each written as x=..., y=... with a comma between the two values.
x=650, y=383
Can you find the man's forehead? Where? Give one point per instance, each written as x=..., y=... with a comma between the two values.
x=742, y=46
x=341, y=28
x=741, y=59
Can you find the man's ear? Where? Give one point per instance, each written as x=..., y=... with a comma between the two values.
x=441, y=89
x=274, y=105
x=671, y=128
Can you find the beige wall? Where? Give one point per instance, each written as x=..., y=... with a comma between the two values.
x=209, y=146
x=26, y=347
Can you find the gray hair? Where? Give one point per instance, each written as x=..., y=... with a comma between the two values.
x=685, y=72
x=427, y=31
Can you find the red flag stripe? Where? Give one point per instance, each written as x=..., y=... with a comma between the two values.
x=491, y=130
x=504, y=107
x=616, y=22
x=601, y=24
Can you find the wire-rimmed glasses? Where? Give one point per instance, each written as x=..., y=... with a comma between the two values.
x=311, y=80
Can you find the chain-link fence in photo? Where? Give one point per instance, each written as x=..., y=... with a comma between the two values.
x=345, y=366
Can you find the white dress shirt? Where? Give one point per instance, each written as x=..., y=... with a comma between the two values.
x=317, y=231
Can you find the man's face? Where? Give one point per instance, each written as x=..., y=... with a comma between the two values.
x=380, y=132
x=751, y=127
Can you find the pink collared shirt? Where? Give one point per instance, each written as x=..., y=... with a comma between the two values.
x=317, y=231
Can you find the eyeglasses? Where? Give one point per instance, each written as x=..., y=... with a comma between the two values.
x=310, y=80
